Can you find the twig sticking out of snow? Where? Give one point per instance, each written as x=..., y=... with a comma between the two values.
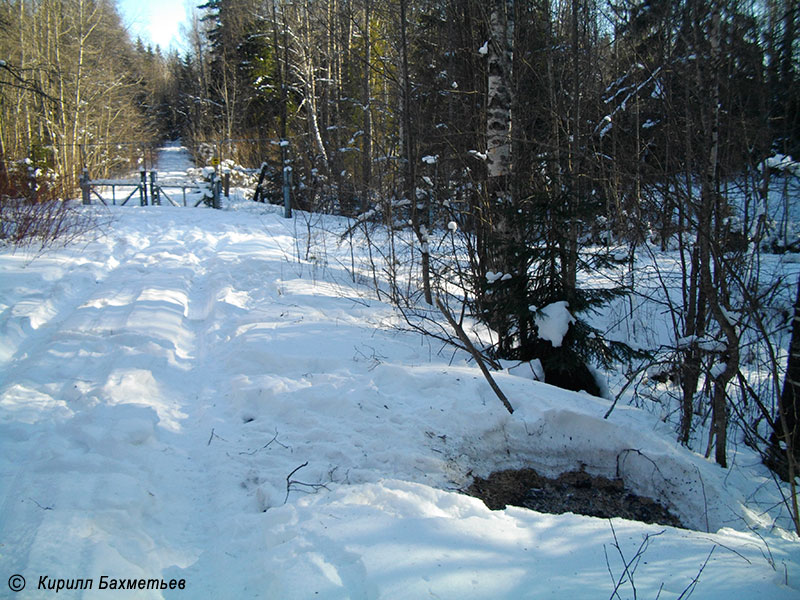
x=705, y=498
x=214, y=435
x=693, y=584
x=629, y=566
x=475, y=354
x=267, y=445
x=623, y=455
x=290, y=482
x=39, y=505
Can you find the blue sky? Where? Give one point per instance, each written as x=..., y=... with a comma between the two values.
x=156, y=21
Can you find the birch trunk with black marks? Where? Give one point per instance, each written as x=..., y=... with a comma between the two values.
x=498, y=112
x=495, y=228
x=308, y=75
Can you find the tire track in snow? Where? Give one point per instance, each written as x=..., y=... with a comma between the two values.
x=120, y=319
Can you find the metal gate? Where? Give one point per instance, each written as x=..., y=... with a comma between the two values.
x=150, y=190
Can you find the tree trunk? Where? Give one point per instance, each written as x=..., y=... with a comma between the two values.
x=495, y=235
x=281, y=63
x=366, y=154
x=410, y=158
x=709, y=243
x=498, y=113
x=786, y=426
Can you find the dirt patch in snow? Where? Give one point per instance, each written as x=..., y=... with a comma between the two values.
x=576, y=492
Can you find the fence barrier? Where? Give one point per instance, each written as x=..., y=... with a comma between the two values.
x=151, y=190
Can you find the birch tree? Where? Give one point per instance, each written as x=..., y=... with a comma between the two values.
x=76, y=55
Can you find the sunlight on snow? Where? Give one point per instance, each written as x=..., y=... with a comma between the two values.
x=38, y=312
x=198, y=390
x=29, y=405
x=138, y=386
x=327, y=568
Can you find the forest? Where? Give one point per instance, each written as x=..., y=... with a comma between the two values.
x=551, y=138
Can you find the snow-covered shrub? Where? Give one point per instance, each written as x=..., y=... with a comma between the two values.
x=30, y=212
x=205, y=153
x=240, y=176
x=30, y=180
x=25, y=223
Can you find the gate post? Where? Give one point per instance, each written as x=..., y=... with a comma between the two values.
x=258, y=195
x=85, y=187
x=216, y=190
x=287, y=180
x=143, y=189
x=287, y=183
x=155, y=198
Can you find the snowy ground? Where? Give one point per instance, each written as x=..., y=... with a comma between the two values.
x=182, y=398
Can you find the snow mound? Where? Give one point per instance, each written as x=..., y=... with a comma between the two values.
x=553, y=322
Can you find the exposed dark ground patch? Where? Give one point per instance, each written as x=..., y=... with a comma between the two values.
x=575, y=492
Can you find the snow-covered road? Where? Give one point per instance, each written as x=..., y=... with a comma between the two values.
x=182, y=398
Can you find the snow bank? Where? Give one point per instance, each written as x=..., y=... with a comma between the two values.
x=184, y=398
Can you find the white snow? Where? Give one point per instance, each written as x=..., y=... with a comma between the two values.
x=781, y=162
x=553, y=322
x=184, y=398
x=717, y=369
x=484, y=50
x=529, y=370
x=605, y=125
x=491, y=276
